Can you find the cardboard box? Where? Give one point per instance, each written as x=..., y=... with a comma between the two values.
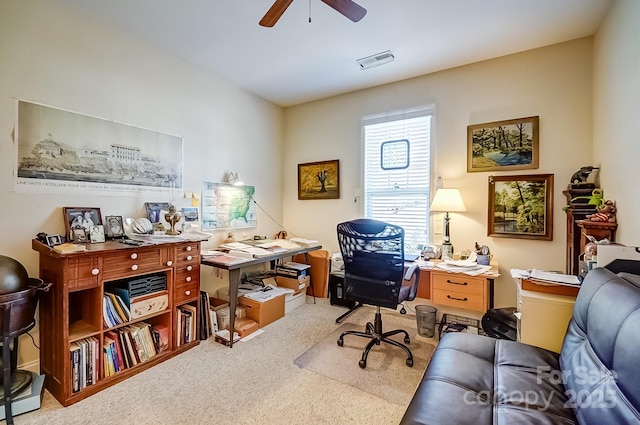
x=264, y=312
x=292, y=269
x=295, y=300
x=246, y=326
x=293, y=283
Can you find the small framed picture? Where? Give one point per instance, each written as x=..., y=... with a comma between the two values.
x=79, y=234
x=96, y=233
x=80, y=217
x=114, y=227
x=154, y=209
x=53, y=240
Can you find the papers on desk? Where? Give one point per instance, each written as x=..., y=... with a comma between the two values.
x=284, y=244
x=307, y=243
x=557, y=278
x=549, y=278
x=473, y=269
x=226, y=260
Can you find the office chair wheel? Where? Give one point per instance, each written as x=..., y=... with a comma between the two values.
x=340, y=342
x=403, y=310
x=410, y=362
x=407, y=340
x=363, y=363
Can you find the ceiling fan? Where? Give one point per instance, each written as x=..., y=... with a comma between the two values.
x=348, y=8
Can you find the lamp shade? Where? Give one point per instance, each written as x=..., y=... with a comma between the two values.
x=234, y=179
x=448, y=200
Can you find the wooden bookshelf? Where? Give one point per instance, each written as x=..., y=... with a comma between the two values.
x=73, y=307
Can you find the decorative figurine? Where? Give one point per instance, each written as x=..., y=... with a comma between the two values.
x=172, y=218
x=579, y=178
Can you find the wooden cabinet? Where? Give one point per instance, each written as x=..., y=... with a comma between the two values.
x=459, y=290
x=72, y=310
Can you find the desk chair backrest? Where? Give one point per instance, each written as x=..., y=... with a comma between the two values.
x=373, y=255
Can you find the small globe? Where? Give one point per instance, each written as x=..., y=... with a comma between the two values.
x=13, y=276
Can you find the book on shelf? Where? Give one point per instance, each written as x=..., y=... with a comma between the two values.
x=189, y=325
x=74, y=348
x=119, y=306
x=161, y=337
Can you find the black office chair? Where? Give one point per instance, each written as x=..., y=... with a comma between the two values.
x=373, y=254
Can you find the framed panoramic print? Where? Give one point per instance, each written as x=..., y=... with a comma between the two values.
x=521, y=206
x=319, y=180
x=503, y=145
x=84, y=217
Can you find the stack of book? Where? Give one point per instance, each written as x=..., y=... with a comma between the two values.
x=186, y=324
x=84, y=363
x=206, y=327
x=136, y=343
x=115, y=310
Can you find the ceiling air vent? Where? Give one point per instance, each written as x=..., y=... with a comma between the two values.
x=375, y=60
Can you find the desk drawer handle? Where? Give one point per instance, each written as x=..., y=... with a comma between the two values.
x=169, y=263
x=189, y=268
x=188, y=248
x=187, y=293
x=457, y=299
x=457, y=283
x=134, y=267
x=189, y=258
x=188, y=279
x=95, y=272
x=134, y=256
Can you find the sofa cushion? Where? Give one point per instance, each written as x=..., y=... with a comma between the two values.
x=478, y=380
x=599, y=356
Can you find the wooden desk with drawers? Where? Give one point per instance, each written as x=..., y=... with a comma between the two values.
x=458, y=290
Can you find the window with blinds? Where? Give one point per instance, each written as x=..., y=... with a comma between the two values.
x=397, y=172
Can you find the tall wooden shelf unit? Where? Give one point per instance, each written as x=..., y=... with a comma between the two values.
x=72, y=309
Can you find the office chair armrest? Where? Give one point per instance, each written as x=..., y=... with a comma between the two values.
x=410, y=271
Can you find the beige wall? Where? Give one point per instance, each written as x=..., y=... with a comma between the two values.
x=51, y=56
x=616, y=132
x=554, y=83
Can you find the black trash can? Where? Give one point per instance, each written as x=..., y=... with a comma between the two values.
x=336, y=290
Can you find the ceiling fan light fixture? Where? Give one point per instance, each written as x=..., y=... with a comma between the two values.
x=376, y=60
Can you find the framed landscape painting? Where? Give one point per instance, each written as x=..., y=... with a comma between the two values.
x=503, y=145
x=521, y=206
x=319, y=180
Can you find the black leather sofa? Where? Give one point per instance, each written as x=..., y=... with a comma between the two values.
x=595, y=379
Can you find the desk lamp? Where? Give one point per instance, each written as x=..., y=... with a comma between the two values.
x=446, y=201
x=234, y=179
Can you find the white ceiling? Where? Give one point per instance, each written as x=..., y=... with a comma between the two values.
x=297, y=61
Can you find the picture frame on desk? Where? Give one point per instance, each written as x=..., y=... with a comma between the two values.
x=84, y=217
x=319, y=180
x=114, y=227
x=521, y=206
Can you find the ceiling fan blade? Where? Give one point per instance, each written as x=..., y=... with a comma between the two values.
x=348, y=8
x=275, y=12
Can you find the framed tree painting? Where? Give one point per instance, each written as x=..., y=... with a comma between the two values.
x=503, y=145
x=521, y=206
x=319, y=180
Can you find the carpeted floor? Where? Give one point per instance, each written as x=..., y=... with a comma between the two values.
x=386, y=374
x=256, y=382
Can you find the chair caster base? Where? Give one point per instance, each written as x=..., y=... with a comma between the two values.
x=363, y=363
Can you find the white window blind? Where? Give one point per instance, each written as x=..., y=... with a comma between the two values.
x=399, y=196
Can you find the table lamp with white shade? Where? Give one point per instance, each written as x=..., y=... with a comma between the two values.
x=446, y=201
